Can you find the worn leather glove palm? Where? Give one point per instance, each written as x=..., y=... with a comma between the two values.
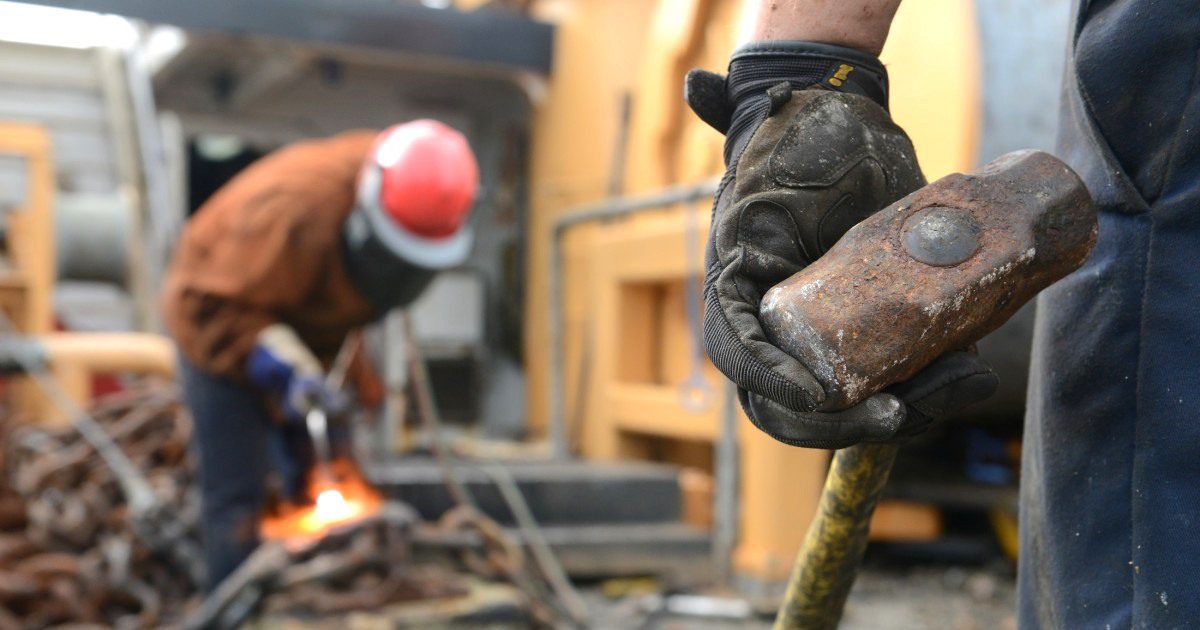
x=810, y=151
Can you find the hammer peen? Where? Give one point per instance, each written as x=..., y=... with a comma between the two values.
x=933, y=272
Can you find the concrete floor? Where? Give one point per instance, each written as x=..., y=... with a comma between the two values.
x=921, y=598
x=951, y=598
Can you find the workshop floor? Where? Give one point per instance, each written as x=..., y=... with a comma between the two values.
x=920, y=598
x=896, y=599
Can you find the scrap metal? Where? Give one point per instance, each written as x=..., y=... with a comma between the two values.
x=70, y=552
x=78, y=557
x=360, y=565
x=152, y=519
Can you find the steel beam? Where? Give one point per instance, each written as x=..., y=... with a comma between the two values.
x=488, y=37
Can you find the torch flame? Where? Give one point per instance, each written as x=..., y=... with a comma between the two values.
x=332, y=506
x=346, y=500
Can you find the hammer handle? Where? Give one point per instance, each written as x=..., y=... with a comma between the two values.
x=836, y=539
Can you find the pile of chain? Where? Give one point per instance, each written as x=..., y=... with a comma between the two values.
x=74, y=557
x=70, y=553
x=364, y=565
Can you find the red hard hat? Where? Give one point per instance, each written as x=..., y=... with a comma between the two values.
x=427, y=177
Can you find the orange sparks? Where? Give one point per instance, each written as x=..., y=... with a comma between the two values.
x=346, y=499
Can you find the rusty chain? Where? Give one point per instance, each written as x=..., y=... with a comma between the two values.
x=69, y=553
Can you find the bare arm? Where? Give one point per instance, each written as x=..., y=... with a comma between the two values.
x=859, y=24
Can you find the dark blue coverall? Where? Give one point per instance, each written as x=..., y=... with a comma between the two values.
x=1110, y=518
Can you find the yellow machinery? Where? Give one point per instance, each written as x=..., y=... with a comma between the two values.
x=27, y=279
x=613, y=122
x=27, y=276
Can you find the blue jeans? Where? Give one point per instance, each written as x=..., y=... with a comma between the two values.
x=237, y=444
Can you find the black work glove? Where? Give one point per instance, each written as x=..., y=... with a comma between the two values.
x=810, y=151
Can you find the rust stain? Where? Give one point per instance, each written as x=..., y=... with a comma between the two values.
x=868, y=313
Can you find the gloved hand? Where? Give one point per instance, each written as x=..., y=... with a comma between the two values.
x=810, y=151
x=282, y=365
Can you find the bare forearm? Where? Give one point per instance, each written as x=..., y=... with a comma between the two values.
x=859, y=24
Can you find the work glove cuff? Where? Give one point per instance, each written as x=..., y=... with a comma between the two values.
x=755, y=67
x=763, y=74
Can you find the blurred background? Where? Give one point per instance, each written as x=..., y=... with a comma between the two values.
x=563, y=358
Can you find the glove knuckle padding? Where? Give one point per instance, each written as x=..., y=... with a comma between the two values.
x=819, y=164
x=829, y=160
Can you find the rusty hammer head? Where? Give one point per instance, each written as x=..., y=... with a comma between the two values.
x=933, y=272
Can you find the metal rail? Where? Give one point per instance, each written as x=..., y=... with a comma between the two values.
x=604, y=211
x=497, y=38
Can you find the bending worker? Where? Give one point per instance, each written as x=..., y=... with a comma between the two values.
x=1109, y=492
x=276, y=269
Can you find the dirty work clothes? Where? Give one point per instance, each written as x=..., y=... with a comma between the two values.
x=267, y=248
x=237, y=445
x=1110, y=503
x=230, y=440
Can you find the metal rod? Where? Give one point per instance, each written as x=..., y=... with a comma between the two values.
x=625, y=206
x=428, y=413
x=573, y=605
x=161, y=221
x=608, y=210
x=317, y=423
x=836, y=539
x=725, y=509
x=341, y=363
x=616, y=169
x=317, y=418
x=242, y=591
x=393, y=438
x=539, y=547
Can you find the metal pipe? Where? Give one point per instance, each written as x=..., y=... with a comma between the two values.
x=725, y=499
x=109, y=353
x=74, y=357
x=604, y=211
x=396, y=378
x=539, y=547
x=92, y=238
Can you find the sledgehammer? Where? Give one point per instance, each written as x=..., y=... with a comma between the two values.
x=933, y=272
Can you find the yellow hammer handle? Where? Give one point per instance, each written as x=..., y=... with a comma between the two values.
x=829, y=559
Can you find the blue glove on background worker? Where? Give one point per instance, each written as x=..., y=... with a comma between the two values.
x=284, y=368
x=280, y=363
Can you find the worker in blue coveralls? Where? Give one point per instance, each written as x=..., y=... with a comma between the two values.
x=1110, y=486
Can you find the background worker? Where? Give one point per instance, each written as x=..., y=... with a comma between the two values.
x=1109, y=493
x=275, y=270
